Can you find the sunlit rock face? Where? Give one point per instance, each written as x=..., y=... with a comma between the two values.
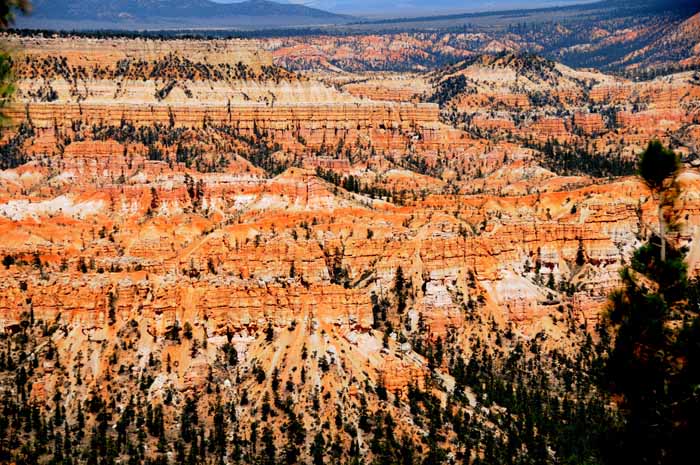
x=189, y=216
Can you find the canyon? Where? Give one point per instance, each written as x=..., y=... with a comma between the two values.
x=291, y=240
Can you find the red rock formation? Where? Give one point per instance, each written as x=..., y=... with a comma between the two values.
x=589, y=123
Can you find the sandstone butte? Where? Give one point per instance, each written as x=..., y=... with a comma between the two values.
x=117, y=231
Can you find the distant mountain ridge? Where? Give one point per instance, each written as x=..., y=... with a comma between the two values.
x=679, y=45
x=185, y=12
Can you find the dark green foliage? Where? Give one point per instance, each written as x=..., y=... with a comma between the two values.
x=580, y=254
x=656, y=164
x=231, y=354
x=653, y=363
x=269, y=450
x=8, y=261
x=448, y=89
x=112, y=308
x=260, y=149
x=400, y=290
x=8, y=8
x=173, y=332
x=353, y=184
x=567, y=160
x=155, y=153
x=318, y=449
x=339, y=273
x=548, y=404
x=671, y=275
x=379, y=310
x=188, y=420
x=169, y=70
x=187, y=330
x=12, y=154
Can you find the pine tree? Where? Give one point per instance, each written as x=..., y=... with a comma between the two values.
x=269, y=451
x=656, y=346
x=658, y=167
x=580, y=254
x=400, y=290
x=318, y=449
